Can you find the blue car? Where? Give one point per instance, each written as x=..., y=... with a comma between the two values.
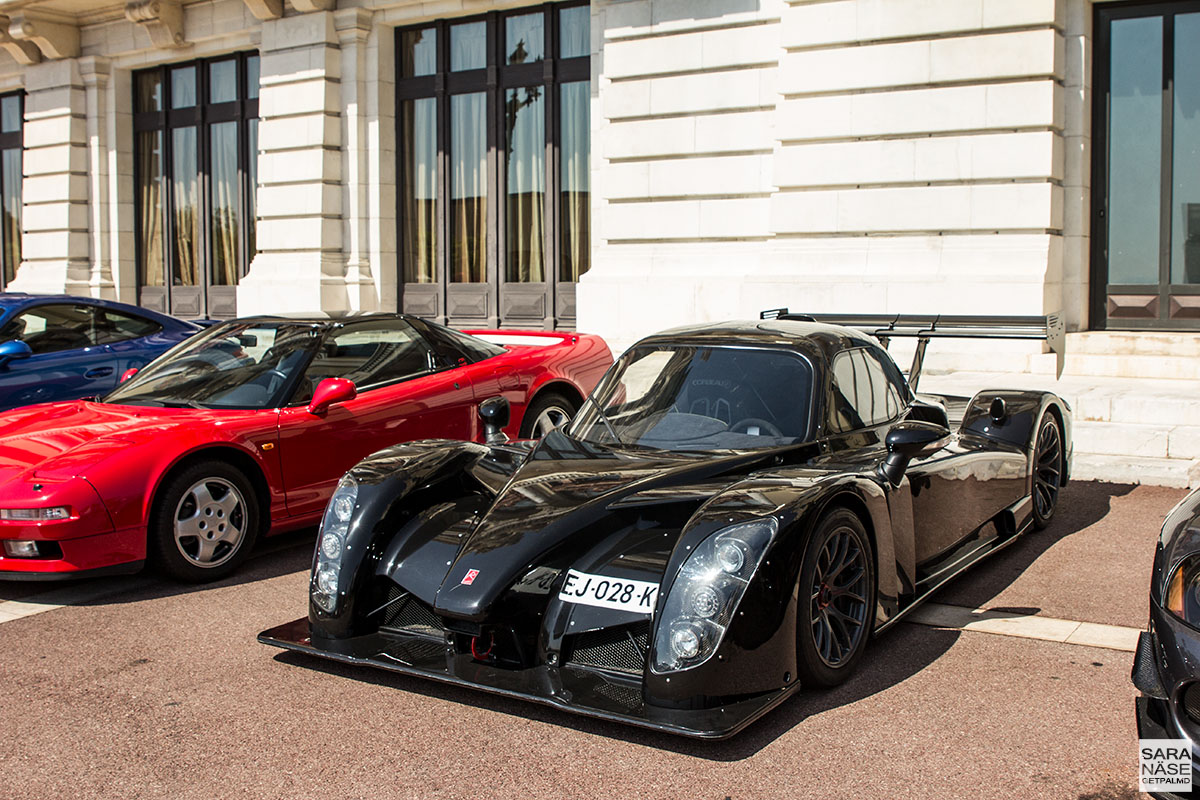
x=59, y=347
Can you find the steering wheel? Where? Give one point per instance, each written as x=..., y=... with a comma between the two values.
x=764, y=428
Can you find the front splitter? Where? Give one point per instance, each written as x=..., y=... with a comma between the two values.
x=578, y=691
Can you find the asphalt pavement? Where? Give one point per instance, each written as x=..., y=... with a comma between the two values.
x=146, y=689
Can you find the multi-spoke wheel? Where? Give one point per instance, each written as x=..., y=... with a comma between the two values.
x=837, y=599
x=1047, y=470
x=546, y=413
x=205, y=521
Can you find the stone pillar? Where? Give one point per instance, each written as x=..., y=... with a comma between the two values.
x=95, y=73
x=55, y=253
x=354, y=27
x=300, y=264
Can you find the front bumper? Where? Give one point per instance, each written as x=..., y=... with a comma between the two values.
x=1162, y=677
x=113, y=553
x=578, y=691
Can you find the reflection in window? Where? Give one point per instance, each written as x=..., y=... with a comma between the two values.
x=196, y=159
x=418, y=170
x=525, y=178
x=418, y=52
x=1185, y=203
x=11, y=149
x=524, y=39
x=575, y=178
x=468, y=188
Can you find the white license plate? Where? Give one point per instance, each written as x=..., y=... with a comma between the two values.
x=606, y=592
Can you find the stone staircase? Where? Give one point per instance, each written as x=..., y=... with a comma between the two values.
x=1135, y=397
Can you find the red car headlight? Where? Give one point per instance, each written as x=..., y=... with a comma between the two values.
x=50, y=514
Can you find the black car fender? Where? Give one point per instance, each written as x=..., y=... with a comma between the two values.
x=758, y=652
x=394, y=485
x=1023, y=412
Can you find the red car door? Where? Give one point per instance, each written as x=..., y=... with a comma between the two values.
x=400, y=398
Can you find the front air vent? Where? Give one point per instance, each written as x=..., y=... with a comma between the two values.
x=407, y=614
x=621, y=649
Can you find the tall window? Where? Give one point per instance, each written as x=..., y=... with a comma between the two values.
x=493, y=117
x=196, y=146
x=1146, y=173
x=12, y=115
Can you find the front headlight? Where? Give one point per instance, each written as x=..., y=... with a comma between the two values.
x=706, y=594
x=331, y=544
x=35, y=514
x=1182, y=597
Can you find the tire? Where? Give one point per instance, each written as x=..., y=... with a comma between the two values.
x=204, y=522
x=828, y=645
x=547, y=411
x=1047, y=470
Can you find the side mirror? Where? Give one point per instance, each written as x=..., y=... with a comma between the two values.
x=908, y=440
x=998, y=410
x=13, y=348
x=129, y=373
x=330, y=391
x=494, y=414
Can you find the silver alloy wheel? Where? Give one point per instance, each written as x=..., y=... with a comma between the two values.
x=210, y=522
x=550, y=418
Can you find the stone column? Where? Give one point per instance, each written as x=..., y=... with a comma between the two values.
x=354, y=27
x=55, y=255
x=95, y=73
x=300, y=264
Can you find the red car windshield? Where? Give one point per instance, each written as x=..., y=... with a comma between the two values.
x=252, y=365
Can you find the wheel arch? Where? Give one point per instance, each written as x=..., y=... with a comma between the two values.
x=228, y=454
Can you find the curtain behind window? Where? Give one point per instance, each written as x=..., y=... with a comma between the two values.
x=150, y=206
x=185, y=188
x=468, y=188
x=419, y=215
x=525, y=161
x=575, y=177
x=223, y=183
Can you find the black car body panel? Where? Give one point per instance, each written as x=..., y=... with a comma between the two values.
x=456, y=555
x=1166, y=665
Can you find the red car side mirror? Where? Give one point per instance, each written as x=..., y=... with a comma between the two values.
x=330, y=391
x=129, y=373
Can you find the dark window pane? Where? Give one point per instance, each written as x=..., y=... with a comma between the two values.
x=468, y=46
x=185, y=187
x=10, y=166
x=524, y=38
x=150, y=206
x=370, y=354
x=183, y=87
x=1134, y=150
x=10, y=113
x=149, y=91
x=252, y=180
x=52, y=328
x=525, y=178
x=860, y=395
x=113, y=327
x=418, y=136
x=575, y=176
x=468, y=188
x=222, y=81
x=1185, y=199
x=252, y=77
x=224, y=190
x=418, y=52
x=574, y=32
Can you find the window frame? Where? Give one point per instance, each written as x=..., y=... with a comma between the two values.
x=203, y=116
x=493, y=80
x=12, y=140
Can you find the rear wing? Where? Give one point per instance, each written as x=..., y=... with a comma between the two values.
x=883, y=327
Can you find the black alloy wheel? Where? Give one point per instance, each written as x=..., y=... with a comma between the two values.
x=1047, y=470
x=837, y=599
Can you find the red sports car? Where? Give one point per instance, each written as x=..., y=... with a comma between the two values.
x=246, y=428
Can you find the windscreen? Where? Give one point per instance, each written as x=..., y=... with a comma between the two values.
x=700, y=398
x=235, y=365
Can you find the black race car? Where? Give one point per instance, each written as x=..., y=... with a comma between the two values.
x=732, y=515
x=1166, y=665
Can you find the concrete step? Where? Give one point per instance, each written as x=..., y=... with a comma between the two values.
x=1147, y=401
x=1137, y=343
x=1178, y=472
x=1142, y=441
x=1122, y=365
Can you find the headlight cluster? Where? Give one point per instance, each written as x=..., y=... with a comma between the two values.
x=1182, y=597
x=706, y=594
x=35, y=514
x=331, y=543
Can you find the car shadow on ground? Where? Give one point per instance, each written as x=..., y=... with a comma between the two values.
x=278, y=555
x=893, y=657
